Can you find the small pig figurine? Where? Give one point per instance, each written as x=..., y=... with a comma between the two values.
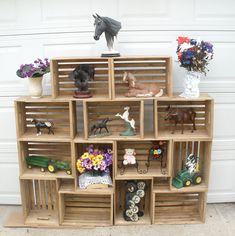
x=129, y=157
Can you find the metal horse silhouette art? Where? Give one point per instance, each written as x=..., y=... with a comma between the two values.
x=111, y=28
x=101, y=125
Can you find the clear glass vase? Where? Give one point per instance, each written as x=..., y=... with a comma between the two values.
x=191, y=85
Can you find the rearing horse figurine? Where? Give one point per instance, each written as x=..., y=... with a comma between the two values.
x=111, y=28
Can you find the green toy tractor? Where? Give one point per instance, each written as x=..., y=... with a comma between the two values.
x=47, y=163
x=189, y=175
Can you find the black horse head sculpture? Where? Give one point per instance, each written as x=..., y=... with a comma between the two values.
x=81, y=75
x=110, y=26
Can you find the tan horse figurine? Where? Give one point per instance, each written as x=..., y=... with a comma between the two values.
x=137, y=89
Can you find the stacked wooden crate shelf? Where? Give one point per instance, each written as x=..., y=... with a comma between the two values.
x=55, y=199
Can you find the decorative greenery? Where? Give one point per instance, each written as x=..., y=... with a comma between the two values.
x=194, y=55
x=38, y=69
x=95, y=160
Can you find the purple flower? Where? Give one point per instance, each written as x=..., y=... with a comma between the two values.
x=193, y=41
x=103, y=166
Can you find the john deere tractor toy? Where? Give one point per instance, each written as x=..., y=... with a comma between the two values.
x=189, y=175
x=47, y=163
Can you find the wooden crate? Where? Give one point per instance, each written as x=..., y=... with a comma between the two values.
x=79, y=149
x=203, y=107
x=40, y=202
x=53, y=150
x=182, y=149
x=119, y=205
x=86, y=209
x=63, y=86
x=146, y=70
x=179, y=208
x=142, y=151
x=97, y=111
x=61, y=114
x=162, y=184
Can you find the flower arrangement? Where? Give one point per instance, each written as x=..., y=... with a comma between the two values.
x=194, y=55
x=37, y=69
x=95, y=160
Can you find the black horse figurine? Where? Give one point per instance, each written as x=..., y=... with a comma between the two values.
x=81, y=75
x=43, y=125
x=101, y=125
x=111, y=28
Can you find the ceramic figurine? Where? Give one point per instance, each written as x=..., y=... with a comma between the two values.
x=182, y=116
x=81, y=75
x=100, y=125
x=43, y=125
x=137, y=89
x=130, y=124
x=134, y=193
x=111, y=28
x=129, y=157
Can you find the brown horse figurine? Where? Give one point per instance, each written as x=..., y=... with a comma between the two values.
x=137, y=89
x=181, y=116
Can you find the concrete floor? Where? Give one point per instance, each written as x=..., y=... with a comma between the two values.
x=220, y=221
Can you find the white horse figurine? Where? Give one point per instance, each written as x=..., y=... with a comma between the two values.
x=125, y=117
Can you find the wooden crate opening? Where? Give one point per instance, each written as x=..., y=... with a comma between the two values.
x=93, y=210
x=96, y=112
x=60, y=151
x=203, y=118
x=179, y=208
x=80, y=148
x=58, y=113
x=201, y=149
x=161, y=184
x=64, y=87
x=66, y=185
x=120, y=199
x=148, y=70
x=40, y=202
x=157, y=167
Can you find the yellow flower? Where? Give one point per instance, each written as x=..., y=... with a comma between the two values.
x=95, y=162
x=85, y=155
x=81, y=169
x=91, y=157
x=79, y=163
x=100, y=157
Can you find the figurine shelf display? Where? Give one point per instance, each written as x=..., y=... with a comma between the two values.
x=134, y=193
x=43, y=125
x=111, y=28
x=130, y=124
x=138, y=89
x=81, y=75
x=189, y=175
x=47, y=163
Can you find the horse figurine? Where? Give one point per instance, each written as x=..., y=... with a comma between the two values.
x=101, y=125
x=43, y=125
x=129, y=123
x=137, y=89
x=81, y=75
x=181, y=116
x=111, y=28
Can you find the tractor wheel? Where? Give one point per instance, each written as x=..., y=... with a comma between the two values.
x=42, y=169
x=197, y=178
x=29, y=166
x=51, y=168
x=187, y=182
x=68, y=172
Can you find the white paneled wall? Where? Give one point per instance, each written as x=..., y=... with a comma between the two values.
x=42, y=28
